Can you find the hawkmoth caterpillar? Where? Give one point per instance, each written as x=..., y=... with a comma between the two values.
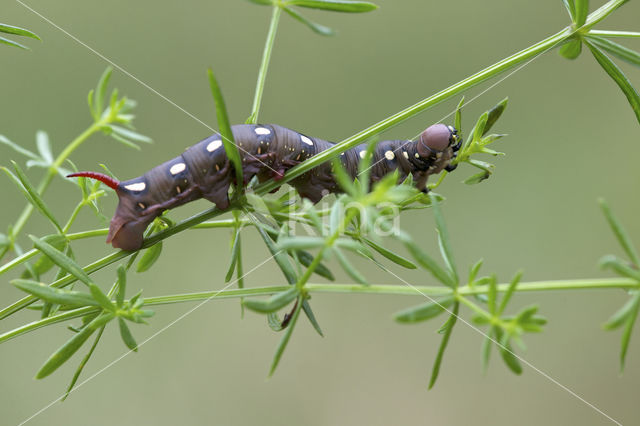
x=268, y=151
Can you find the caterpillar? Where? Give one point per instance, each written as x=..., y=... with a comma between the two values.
x=267, y=151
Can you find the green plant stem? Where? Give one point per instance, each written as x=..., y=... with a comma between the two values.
x=51, y=172
x=433, y=291
x=31, y=253
x=264, y=66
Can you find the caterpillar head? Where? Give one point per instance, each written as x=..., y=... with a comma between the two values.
x=439, y=143
x=438, y=138
x=129, y=222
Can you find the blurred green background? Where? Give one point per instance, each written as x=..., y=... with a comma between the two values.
x=572, y=138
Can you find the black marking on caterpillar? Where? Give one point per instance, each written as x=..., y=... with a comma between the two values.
x=268, y=151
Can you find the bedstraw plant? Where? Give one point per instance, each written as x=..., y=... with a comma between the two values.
x=300, y=236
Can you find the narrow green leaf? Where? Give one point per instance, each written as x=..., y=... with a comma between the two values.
x=92, y=108
x=83, y=363
x=100, y=92
x=349, y=268
x=443, y=239
x=124, y=141
x=620, y=233
x=280, y=257
x=477, y=178
x=364, y=169
x=274, y=322
x=622, y=315
x=225, y=128
x=424, y=312
x=395, y=258
x=571, y=8
x=342, y=177
x=618, y=76
x=10, y=29
x=149, y=257
x=626, y=335
x=334, y=5
x=312, y=318
x=235, y=252
x=32, y=194
x=302, y=242
x=130, y=134
x=494, y=114
x=315, y=27
x=581, y=12
x=336, y=216
x=285, y=339
x=427, y=262
x=486, y=349
x=622, y=52
x=122, y=286
x=61, y=260
x=44, y=263
x=101, y=298
x=44, y=146
x=272, y=304
x=55, y=295
x=623, y=34
x=507, y=295
x=509, y=357
x=443, y=345
x=481, y=124
x=18, y=148
x=13, y=43
x=473, y=271
x=263, y=2
x=458, y=120
x=620, y=266
x=126, y=335
x=72, y=345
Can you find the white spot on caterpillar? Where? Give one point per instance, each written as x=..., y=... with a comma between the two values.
x=389, y=155
x=217, y=168
x=362, y=154
x=178, y=190
x=405, y=154
x=262, y=131
x=417, y=155
x=138, y=186
x=142, y=206
x=306, y=140
x=177, y=168
x=213, y=145
x=342, y=153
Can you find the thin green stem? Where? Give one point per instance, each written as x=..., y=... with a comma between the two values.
x=31, y=253
x=73, y=217
x=588, y=284
x=264, y=66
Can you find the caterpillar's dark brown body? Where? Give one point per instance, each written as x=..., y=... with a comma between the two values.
x=268, y=151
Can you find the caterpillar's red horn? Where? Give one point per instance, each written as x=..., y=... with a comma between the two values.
x=107, y=180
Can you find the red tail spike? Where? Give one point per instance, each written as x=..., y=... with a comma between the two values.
x=107, y=180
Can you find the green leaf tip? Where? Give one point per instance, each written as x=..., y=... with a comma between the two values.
x=225, y=128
